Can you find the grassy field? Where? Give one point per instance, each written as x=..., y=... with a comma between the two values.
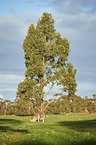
x=65, y=129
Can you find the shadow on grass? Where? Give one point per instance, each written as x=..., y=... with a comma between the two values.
x=24, y=115
x=9, y=129
x=86, y=142
x=64, y=142
x=79, y=125
x=8, y=122
x=30, y=142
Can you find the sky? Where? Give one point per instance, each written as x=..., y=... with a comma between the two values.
x=74, y=19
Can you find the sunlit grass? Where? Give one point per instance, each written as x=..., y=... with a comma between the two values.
x=66, y=129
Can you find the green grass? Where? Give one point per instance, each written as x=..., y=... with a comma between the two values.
x=65, y=129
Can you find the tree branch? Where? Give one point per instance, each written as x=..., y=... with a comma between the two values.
x=49, y=91
x=47, y=71
x=51, y=101
x=37, y=108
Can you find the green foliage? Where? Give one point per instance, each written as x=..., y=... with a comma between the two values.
x=71, y=104
x=46, y=56
x=45, y=25
x=64, y=104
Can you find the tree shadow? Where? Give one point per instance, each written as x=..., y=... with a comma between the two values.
x=30, y=142
x=7, y=128
x=9, y=121
x=82, y=125
x=86, y=142
x=24, y=115
x=64, y=142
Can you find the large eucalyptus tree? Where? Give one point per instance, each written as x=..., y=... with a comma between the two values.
x=46, y=59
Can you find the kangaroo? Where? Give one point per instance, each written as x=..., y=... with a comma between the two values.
x=34, y=118
x=42, y=117
x=38, y=116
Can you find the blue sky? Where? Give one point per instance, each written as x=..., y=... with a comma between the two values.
x=75, y=20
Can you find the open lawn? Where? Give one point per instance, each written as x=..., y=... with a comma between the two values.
x=65, y=129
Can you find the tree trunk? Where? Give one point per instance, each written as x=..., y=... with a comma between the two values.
x=86, y=110
x=41, y=107
x=5, y=109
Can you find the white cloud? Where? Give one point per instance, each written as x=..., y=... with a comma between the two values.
x=74, y=7
x=8, y=90
x=10, y=78
x=76, y=25
x=11, y=28
x=86, y=89
x=10, y=82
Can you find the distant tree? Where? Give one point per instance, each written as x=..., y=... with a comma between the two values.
x=1, y=106
x=46, y=56
x=6, y=103
x=77, y=104
x=86, y=101
x=64, y=104
x=94, y=99
x=91, y=106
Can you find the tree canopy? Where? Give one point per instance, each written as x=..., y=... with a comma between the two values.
x=46, y=60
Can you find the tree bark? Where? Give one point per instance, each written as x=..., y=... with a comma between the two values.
x=42, y=83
